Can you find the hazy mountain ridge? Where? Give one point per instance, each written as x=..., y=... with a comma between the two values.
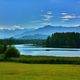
x=40, y=33
x=6, y=33
x=48, y=30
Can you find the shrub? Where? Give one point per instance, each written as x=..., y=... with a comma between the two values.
x=2, y=48
x=11, y=52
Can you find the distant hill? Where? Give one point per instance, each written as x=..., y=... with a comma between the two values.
x=40, y=33
x=6, y=33
x=48, y=30
x=35, y=36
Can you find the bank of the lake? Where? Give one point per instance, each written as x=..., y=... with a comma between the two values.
x=33, y=55
x=42, y=60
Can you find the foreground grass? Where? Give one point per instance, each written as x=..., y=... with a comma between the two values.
x=20, y=71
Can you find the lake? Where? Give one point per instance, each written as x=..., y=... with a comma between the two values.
x=29, y=49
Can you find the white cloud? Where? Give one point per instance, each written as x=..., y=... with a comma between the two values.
x=11, y=27
x=68, y=17
x=6, y=27
x=17, y=27
x=76, y=25
x=47, y=23
x=47, y=17
x=49, y=12
x=64, y=13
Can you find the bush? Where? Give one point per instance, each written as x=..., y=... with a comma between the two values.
x=11, y=52
x=2, y=48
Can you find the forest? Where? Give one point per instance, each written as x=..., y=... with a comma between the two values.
x=63, y=40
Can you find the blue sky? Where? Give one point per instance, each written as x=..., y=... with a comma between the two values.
x=37, y=13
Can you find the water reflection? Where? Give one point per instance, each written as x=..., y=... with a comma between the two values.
x=38, y=51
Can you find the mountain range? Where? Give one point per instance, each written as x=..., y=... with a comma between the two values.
x=40, y=33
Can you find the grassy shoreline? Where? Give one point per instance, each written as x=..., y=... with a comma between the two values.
x=42, y=60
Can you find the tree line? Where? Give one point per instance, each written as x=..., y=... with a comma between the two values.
x=7, y=49
x=13, y=41
x=63, y=40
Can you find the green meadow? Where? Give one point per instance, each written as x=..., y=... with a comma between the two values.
x=20, y=71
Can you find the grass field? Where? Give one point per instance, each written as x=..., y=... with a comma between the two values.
x=20, y=71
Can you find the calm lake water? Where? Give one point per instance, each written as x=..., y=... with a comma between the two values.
x=29, y=49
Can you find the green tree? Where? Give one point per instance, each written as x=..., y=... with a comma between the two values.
x=64, y=40
x=2, y=49
x=11, y=52
x=48, y=42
